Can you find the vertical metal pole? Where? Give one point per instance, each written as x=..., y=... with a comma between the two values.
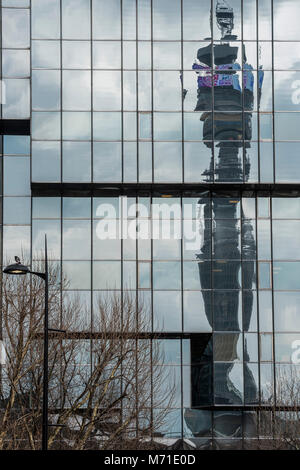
x=45, y=382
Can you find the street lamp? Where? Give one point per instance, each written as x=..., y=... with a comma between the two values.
x=19, y=270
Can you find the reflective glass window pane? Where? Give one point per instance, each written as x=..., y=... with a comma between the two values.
x=107, y=126
x=250, y=347
x=228, y=380
x=15, y=63
x=45, y=161
x=46, y=125
x=287, y=311
x=106, y=19
x=76, y=90
x=166, y=19
x=197, y=311
x=78, y=274
x=167, y=91
x=130, y=161
x=265, y=311
x=76, y=208
x=129, y=275
x=16, y=145
x=15, y=28
x=45, y=19
x=17, y=99
x=76, y=161
x=16, y=239
x=167, y=126
x=249, y=19
x=286, y=208
x=287, y=172
x=286, y=241
x=264, y=276
x=129, y=54
x=266, y=383
x=107, y=54
x=286, y=55
x=107, y=161
x=228, y=347
x=191, y=276
x=107, y=90
x=167, y=161
x=144, y=275
x=264, y=239
x=167, y=311
x=53, y=229
x=16, y=3
x=107, y=275
x=17, y=176
x=286, y=275
x=76, y=19
x=45, y=207
x=46, y=90
x=144, y=90
x=77, y=125
x=264, y=24
x=286, y=91
x=284, y=13
x=76, y=55
x=76, y=239
x=266, y=347
x=167, y=55
x=144, y=19
x=286, y=346
x=45, y=54
x=197, y=158
x=166, y=275
x=196, y=17
x=106, y=242
x=16, y=210
x=144, y=55
x=129, y=91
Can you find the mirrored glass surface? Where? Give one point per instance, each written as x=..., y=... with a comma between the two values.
x=106, y=275
x=76, y=239
x=76, y=92
x=45, y=19
x=45, y=54
x=76, y=19
x=106, y=19
x=77, y=125
x=15, y=63
x=15, y=28
x=53, y=230
x=167, y=311
x=76, y=55
x=107, y=161
x=78, y=274
x=45, y=90
x=45, y=161
x=166, y=19
x=76, y=161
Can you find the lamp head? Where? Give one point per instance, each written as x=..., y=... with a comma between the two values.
x=17, y=268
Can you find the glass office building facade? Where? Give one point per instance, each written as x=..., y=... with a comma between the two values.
x=180, y=119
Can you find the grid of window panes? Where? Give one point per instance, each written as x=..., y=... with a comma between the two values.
x=237, y=290
x=115, y=81
x=115, y=98
x=15, y=59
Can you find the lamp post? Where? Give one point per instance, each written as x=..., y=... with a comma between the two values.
x=19, y=270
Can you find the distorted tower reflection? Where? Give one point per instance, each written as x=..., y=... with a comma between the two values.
x=226, y=100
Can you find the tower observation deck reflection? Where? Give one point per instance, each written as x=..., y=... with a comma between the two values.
x=225, y=99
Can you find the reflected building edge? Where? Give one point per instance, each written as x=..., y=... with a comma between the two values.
x=226, y=108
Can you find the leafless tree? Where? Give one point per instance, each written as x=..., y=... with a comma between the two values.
x=278, y=421
x=101, y=388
